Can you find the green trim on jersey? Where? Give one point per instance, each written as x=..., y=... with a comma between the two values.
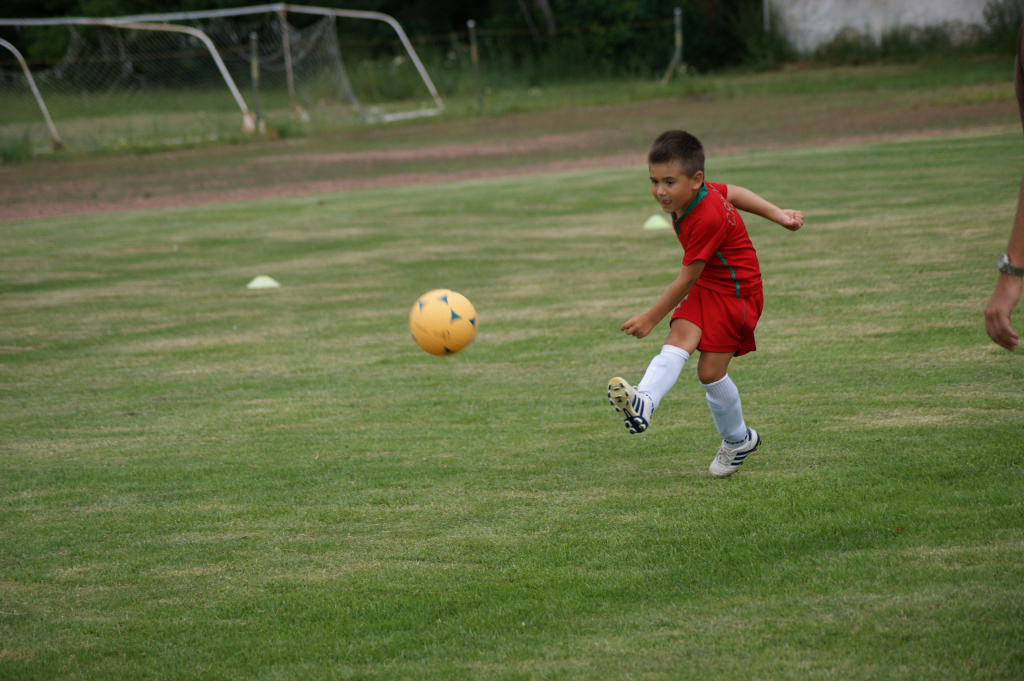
x=693, y=204
x=732, y=272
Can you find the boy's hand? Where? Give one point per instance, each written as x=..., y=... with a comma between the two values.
x=791, y=219
x=638, y=326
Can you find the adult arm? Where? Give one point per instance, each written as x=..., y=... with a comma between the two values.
x=1008, y=287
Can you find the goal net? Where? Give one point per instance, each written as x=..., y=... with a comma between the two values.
x=160, y=80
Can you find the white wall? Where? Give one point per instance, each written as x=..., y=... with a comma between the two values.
x=810, y=23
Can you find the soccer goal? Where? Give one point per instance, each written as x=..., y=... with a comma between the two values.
x=161, y=79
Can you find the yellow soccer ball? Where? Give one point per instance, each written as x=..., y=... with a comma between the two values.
x=442, y=321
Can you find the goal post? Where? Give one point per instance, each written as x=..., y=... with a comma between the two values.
x=248, y=120
x=283, y=10
x=403, y=38
x=164, y=88
x=58, y=144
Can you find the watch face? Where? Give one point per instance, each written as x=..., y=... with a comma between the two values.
x=1006, y=268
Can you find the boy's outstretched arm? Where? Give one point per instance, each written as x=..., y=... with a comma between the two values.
x=748, y=201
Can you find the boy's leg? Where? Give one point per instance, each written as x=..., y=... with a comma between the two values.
x=727, y=412
x=662, y=373
x=722, y=395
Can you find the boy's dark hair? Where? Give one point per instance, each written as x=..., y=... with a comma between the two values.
x=679, y=146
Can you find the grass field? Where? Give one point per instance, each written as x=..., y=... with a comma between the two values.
x=205, y=482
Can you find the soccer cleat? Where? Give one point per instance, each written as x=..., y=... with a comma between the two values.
x=635, y=407
x=728, y=459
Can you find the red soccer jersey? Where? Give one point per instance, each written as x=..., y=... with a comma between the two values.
x=711, y=229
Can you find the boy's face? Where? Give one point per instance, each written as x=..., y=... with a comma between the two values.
x=672, y=188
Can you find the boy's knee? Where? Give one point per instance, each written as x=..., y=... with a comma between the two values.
x=712, y=367
x=708, y=377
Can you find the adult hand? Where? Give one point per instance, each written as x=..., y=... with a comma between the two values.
x=997, y=313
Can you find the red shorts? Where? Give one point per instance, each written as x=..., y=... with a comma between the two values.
x=726, y=322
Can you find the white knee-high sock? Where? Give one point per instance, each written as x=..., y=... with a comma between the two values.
x=724, y=402
x=662, y=372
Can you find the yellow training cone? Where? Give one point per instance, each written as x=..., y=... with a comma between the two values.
x=263, y=281
x=657, y=222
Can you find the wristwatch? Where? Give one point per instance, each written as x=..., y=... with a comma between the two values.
x=1006, y=268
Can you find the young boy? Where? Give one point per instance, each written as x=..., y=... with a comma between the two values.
x=717, y=297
